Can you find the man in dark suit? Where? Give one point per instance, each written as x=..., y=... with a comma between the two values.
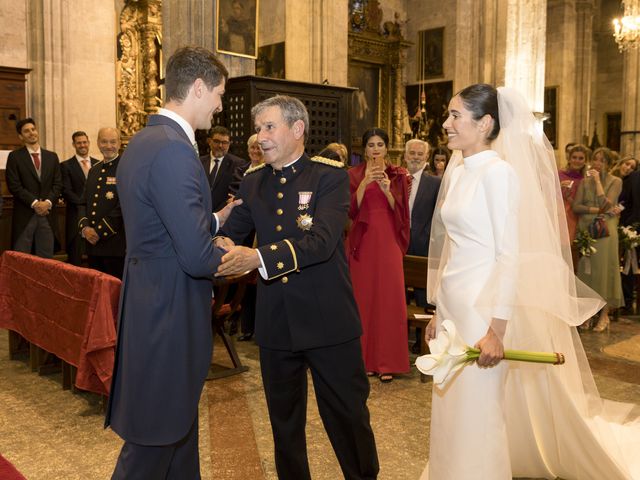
x=164, y=326
x=422, y=202
x=100, y=221
x=630, y=199
x=224, y=169
x=33, y=178
x=306, y=313
x=74, y=175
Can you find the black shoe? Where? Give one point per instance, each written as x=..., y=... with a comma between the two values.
x=245, y=337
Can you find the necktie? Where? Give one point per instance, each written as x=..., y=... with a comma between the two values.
x=36, y=161
x=85, y=166
x=214, y=170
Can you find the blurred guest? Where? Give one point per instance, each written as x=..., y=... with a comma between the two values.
x=33, y=178
x=74, y=175
x=422, y=201
x=598, y=195
x=100, y=221
x=256, y=155
x=570, y=179
x=567, y=150
x=341, y=150
x=439, y=159
x=378, y=240
x=224, y=169
x=630, y=200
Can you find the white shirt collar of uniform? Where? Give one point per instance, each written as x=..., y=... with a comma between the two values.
x=180, y=121
x=289, y=164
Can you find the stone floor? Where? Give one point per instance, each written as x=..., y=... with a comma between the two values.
x=53, y=434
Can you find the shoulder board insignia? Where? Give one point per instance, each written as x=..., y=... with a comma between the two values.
x=327, y=161
x=255, y=169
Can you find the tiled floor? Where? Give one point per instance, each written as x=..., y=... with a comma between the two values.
x=53, y=434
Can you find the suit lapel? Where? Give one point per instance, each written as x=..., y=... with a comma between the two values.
x=28, y=161
x=221, y=169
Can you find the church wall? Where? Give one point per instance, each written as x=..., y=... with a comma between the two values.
x=607, y=89
x=271, y=27
x=13, y=33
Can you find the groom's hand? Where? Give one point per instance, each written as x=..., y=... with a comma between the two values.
x=238, y=260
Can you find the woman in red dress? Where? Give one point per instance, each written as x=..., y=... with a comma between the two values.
x=377, y=241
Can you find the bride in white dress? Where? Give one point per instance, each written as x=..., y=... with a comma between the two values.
x=500, y=269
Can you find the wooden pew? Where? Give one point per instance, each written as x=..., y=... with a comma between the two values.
x=415, y=276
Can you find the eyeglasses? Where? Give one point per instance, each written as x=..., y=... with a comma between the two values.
x=221, y=142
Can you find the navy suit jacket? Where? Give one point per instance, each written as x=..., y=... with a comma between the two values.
x=630, y=198
x=73, y=181
x=422, y=213
x=164, y=325
x=227, y=180
x=25, y=186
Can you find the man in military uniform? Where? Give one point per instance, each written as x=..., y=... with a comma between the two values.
x=306, y=313
x=100, y=221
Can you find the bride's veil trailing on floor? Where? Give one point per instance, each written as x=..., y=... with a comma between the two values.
x=558, y=426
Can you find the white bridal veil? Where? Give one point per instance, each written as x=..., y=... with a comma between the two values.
x=557, y=423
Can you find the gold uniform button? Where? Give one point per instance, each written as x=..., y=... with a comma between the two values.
x=104, y=234
x=99, y=178
x=283, y=180
x=285, y=279
x=94, y=204
x=96, y=195
x=278, y=228
x=93, y=222
x=98, y=187
x=99, y=227
x=103, y=170
x=93, y=213
x=280, y=195
x=279, y=211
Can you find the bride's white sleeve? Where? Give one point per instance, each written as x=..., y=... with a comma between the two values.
x=502, y=193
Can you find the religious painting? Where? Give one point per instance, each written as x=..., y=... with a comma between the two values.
x=550, y=125
x=237, y=32
x=614, y=127
x=270, y=62
x=430, y=54
x=426, y=120
x=366, y=79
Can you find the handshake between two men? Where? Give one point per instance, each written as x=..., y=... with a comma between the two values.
x=237, y=259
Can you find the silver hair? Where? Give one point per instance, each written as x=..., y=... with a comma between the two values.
x=292, y=110
x=417, y=140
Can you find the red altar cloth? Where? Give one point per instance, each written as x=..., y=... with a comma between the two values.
x=65, y=310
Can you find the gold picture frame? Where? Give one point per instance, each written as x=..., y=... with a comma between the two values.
x=237, y=27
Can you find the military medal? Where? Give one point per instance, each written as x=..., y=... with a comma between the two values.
x=109, y=195
x=303, y=200
x=111, y=180
x=304, y=221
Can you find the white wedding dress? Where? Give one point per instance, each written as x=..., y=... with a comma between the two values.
x=517, y=419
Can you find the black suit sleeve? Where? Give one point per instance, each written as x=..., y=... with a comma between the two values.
x=67, y=184
x=56, y=186
x=14, y=181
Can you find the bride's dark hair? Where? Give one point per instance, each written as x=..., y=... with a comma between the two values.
x=482, y=99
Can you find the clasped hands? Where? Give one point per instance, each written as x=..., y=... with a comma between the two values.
x=42, y=208
x=238, y=259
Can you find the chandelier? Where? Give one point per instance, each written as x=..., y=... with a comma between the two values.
x=627, y=29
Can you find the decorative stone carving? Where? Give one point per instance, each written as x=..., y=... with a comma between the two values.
x=138, y=66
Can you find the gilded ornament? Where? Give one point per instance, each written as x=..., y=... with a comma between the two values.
x=304, y=222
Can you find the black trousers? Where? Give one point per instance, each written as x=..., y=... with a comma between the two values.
x=341, y=388
x=113, y=266
x=178, y=461
x=248, y=312
x=75, y=249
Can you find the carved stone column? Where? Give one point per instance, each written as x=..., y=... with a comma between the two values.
x=583, y=68
x=630, y=135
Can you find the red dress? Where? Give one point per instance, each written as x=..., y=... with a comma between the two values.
x=377, y=242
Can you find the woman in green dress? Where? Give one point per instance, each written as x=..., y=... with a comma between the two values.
x=598, y=195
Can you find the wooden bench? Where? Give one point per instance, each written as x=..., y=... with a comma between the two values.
x=415, y=276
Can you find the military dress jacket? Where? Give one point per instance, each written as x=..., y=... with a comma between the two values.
x=73, y=182
x=100, y=210
x=299, y=214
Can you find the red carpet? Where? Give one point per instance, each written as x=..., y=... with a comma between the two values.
x=8, y=471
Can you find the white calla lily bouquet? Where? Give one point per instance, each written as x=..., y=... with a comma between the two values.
x=449, y=353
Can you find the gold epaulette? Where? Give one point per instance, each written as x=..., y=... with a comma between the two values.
x=327, y=161
x=255, y=169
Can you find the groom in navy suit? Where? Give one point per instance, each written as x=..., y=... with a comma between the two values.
x=164, y=325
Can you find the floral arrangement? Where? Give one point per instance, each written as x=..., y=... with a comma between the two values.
x=449, y=353
x=584, y=242
x=628, y=236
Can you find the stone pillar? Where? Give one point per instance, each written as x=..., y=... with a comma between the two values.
x=630, y=136
x=72, y=83
x=583, y=73
x=316, y=41
x=467, y=58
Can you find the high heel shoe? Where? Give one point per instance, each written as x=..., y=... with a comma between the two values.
x=602, y=325
x=586, y=326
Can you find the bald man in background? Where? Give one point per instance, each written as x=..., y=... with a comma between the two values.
x=100, y=221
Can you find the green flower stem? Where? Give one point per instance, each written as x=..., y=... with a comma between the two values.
x=522, y=356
